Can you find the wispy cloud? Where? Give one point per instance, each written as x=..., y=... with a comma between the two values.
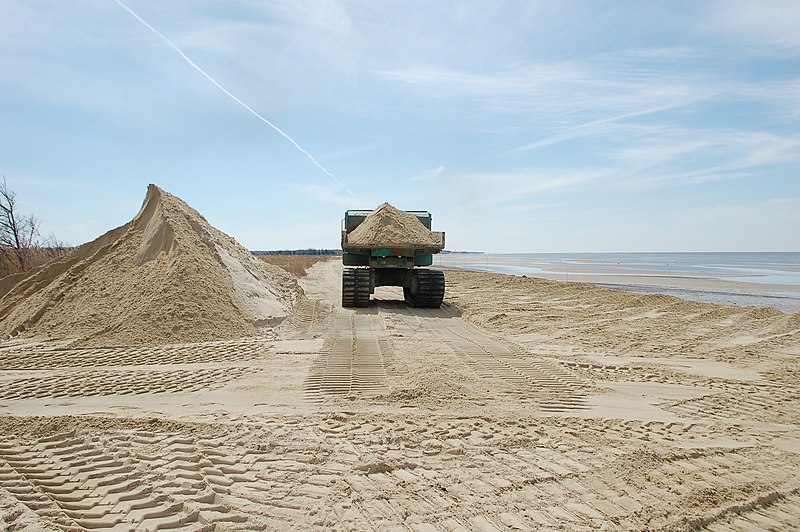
x=770, y=24
x=330, y=195
x=526, y=79
x=596, y=127
x=664, y=158
x=503, y=189
x=429, y=174
x=680, y=157
x=561, y=100
x=553, y=102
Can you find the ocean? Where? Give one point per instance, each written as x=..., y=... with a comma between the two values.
x=743, y=279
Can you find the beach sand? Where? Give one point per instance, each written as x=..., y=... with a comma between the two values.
x=521, y=404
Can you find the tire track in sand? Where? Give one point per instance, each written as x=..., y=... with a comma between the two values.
x=353, y=362
x=40, y=357
x=778, y=510
x=152, y=480
x=77, y=483
x=369, y=471
x=310, y=318
x=489, y=357
x=122, y=382
x=474, y=473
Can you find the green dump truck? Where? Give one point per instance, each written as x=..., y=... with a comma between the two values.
x=391, y=263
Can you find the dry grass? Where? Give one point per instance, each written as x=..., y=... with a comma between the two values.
x=35, y=256
x=296, y=264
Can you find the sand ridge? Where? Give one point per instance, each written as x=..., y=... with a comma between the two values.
x=388, y=226
x=168, y=276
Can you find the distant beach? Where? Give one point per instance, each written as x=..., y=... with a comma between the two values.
x=740, y=279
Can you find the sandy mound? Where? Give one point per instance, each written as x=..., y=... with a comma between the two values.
x=168, y=276
x=388, y=226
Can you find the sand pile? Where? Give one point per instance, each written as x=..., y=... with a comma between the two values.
x=168, y=276
x=388, y=226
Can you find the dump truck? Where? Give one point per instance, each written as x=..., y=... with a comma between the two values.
x=389, y=264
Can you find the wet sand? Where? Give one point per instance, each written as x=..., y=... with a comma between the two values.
x=688, y=284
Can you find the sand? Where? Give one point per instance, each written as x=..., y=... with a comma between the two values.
x=521, y=404
x=168, y=276
x=388, y=226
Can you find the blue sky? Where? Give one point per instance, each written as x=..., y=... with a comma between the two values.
x=527, y=126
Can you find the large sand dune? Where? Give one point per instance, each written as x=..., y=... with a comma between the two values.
x=168, y=276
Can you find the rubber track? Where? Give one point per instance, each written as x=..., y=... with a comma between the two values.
x=355, y=287
x=430, y=289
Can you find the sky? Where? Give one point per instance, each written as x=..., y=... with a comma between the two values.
x=522, y=126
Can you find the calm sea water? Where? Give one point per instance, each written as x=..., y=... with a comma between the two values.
x=755, y=268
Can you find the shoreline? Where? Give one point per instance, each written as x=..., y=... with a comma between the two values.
x=688, y=285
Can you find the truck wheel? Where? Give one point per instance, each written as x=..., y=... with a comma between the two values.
x=426, y=290
x=355, y=287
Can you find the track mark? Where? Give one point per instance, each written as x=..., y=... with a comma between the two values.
x=128, y=382
x=134, y=480
x=526, y=374
x=775, y=403
x=776, y=510
x=44, y=357
x=354, y=363
x=309, y=318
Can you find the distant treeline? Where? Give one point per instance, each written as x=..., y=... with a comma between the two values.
x=310, y=251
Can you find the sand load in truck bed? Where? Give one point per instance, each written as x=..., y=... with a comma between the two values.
x=167, y=276
x=389, y=227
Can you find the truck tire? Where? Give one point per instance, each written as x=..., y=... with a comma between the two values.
x=355, y=287
x=426, y=290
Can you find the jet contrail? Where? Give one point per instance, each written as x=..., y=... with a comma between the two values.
x=231, y=96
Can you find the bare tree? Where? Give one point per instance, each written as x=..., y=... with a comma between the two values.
x=18, y=232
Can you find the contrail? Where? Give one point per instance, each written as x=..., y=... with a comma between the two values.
x=231, y=96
